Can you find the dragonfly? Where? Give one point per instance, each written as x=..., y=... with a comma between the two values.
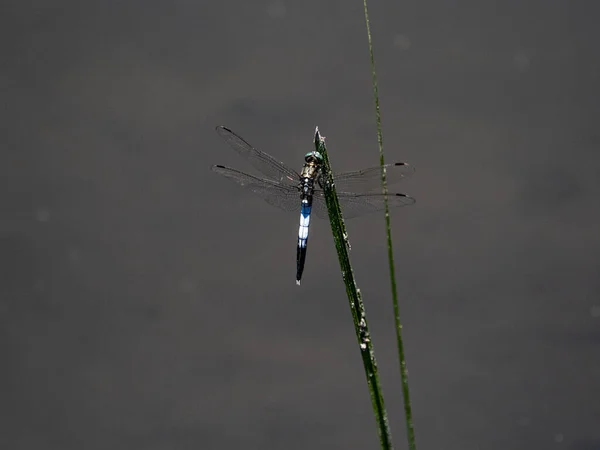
x=288, y=190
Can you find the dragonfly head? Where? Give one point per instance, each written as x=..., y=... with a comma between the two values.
x=313, y=157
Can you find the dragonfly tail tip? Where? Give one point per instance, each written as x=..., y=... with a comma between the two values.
x=298, y=282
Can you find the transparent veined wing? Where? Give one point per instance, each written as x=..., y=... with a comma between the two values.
x=366, y=180
x=355, y=205
x=282, y=196
x=261, y=161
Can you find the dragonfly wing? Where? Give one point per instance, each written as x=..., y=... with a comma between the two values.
x=355, y=205
x=285, y=197
x=366, y=180
x=319, y=207
x=261, y=161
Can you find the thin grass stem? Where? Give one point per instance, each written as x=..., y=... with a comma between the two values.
x=410, y=430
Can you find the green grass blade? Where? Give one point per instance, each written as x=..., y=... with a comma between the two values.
x=357, y=308
x=410, y=430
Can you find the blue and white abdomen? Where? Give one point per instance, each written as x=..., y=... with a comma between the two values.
x=304, y=223
x=302, y=237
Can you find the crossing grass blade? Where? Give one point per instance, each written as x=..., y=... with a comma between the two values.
x=357, y=307
x=410, y=430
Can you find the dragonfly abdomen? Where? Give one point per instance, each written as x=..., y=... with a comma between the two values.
x=304, y=223
x=302, y=237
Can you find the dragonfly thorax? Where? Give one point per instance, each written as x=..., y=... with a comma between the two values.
x=310, y=169
x=308, y=176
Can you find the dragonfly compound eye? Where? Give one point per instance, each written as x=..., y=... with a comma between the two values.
x=313, y=157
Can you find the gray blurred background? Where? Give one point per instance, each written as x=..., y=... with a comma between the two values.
x=146, y=303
